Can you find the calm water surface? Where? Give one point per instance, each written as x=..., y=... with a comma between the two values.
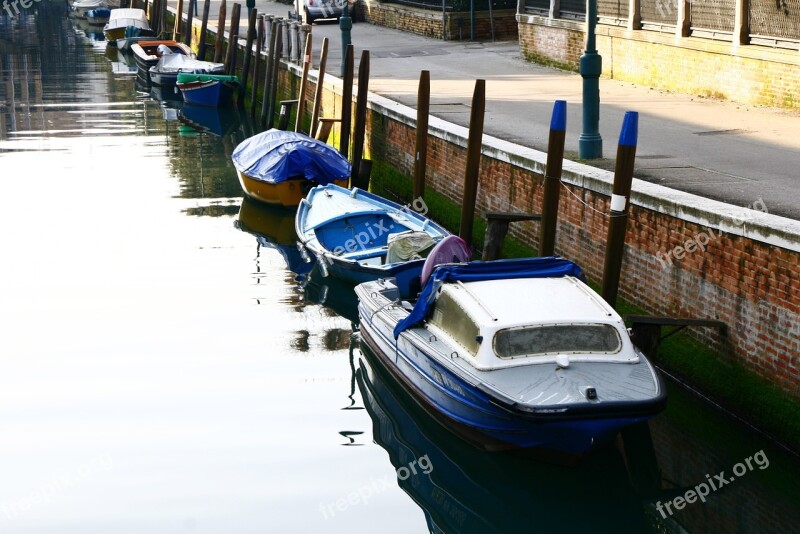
x=168, y=364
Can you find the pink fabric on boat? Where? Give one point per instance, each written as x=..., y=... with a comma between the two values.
x=451, y=249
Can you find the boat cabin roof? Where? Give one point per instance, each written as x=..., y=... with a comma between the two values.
x=510, y=322
x=505, y=302
x=127, y=13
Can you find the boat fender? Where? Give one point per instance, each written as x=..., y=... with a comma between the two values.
x=562, y=361
x=323, y=266
x=303, y=253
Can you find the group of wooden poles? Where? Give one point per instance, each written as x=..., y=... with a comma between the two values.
x=498, y=222
x=280, y=39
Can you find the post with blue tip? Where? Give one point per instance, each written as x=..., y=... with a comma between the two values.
x=620, y=202
x=590, y=144
x=552, y=179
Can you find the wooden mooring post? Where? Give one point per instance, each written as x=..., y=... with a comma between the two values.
x=474, y=144
x=251, y=34
x=223, y=13
x=323, y=59
x=153, y=15
x=233, y=40
x=421, y=141
x=361, y=114
x=496, y=230
x=257, y=66
x=176, y=29
x=273, y=24
x=187, y=38
x=201, y=51
x=347, y=102
x=301, y=98
x=276, y=63
x=552, y=179
x=620, y=196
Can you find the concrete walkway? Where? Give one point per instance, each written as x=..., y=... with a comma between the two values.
x=721, y=150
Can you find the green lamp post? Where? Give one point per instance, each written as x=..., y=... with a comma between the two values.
x=590, y=144
x=345, y=25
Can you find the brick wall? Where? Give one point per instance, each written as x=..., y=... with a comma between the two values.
x=744, y=73
x=748, y=276
x=429, y=22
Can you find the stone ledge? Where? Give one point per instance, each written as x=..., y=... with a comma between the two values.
x=761, y=227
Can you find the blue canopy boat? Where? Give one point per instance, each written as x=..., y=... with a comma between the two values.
x=514, y=354
x=279, y=167
x=98, y=16
x=357, y=236
x=165, y=72
x=211, y=90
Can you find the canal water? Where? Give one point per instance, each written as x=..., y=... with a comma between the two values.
x=169, y=364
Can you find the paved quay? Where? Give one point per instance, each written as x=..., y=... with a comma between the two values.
x=726, y=151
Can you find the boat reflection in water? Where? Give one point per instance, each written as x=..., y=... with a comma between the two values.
x=120, y=63
x=332, y=293
x=93, y=33
x=469, y=490
x=273, y=227
x=215, y=121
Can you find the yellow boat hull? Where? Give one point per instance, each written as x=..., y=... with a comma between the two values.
x=288, y=193
x=114, y=34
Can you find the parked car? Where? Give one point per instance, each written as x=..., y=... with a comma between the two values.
x=322, y=9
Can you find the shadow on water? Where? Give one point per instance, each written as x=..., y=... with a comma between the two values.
x=468, y=490
x=273, y=228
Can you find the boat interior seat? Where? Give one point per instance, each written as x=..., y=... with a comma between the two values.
x=374, y=260
x=367, y=253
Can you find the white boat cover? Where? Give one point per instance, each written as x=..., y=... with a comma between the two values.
x=89, y=4
x=122, y=18
x=407, y=246
x=182, y=63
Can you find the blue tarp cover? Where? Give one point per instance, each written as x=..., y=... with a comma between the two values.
x=545, y=267
x=275, y=156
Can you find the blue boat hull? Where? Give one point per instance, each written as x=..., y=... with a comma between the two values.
x=353, y=244
x=474, y=415
x=213, y=94
x=406, y=275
